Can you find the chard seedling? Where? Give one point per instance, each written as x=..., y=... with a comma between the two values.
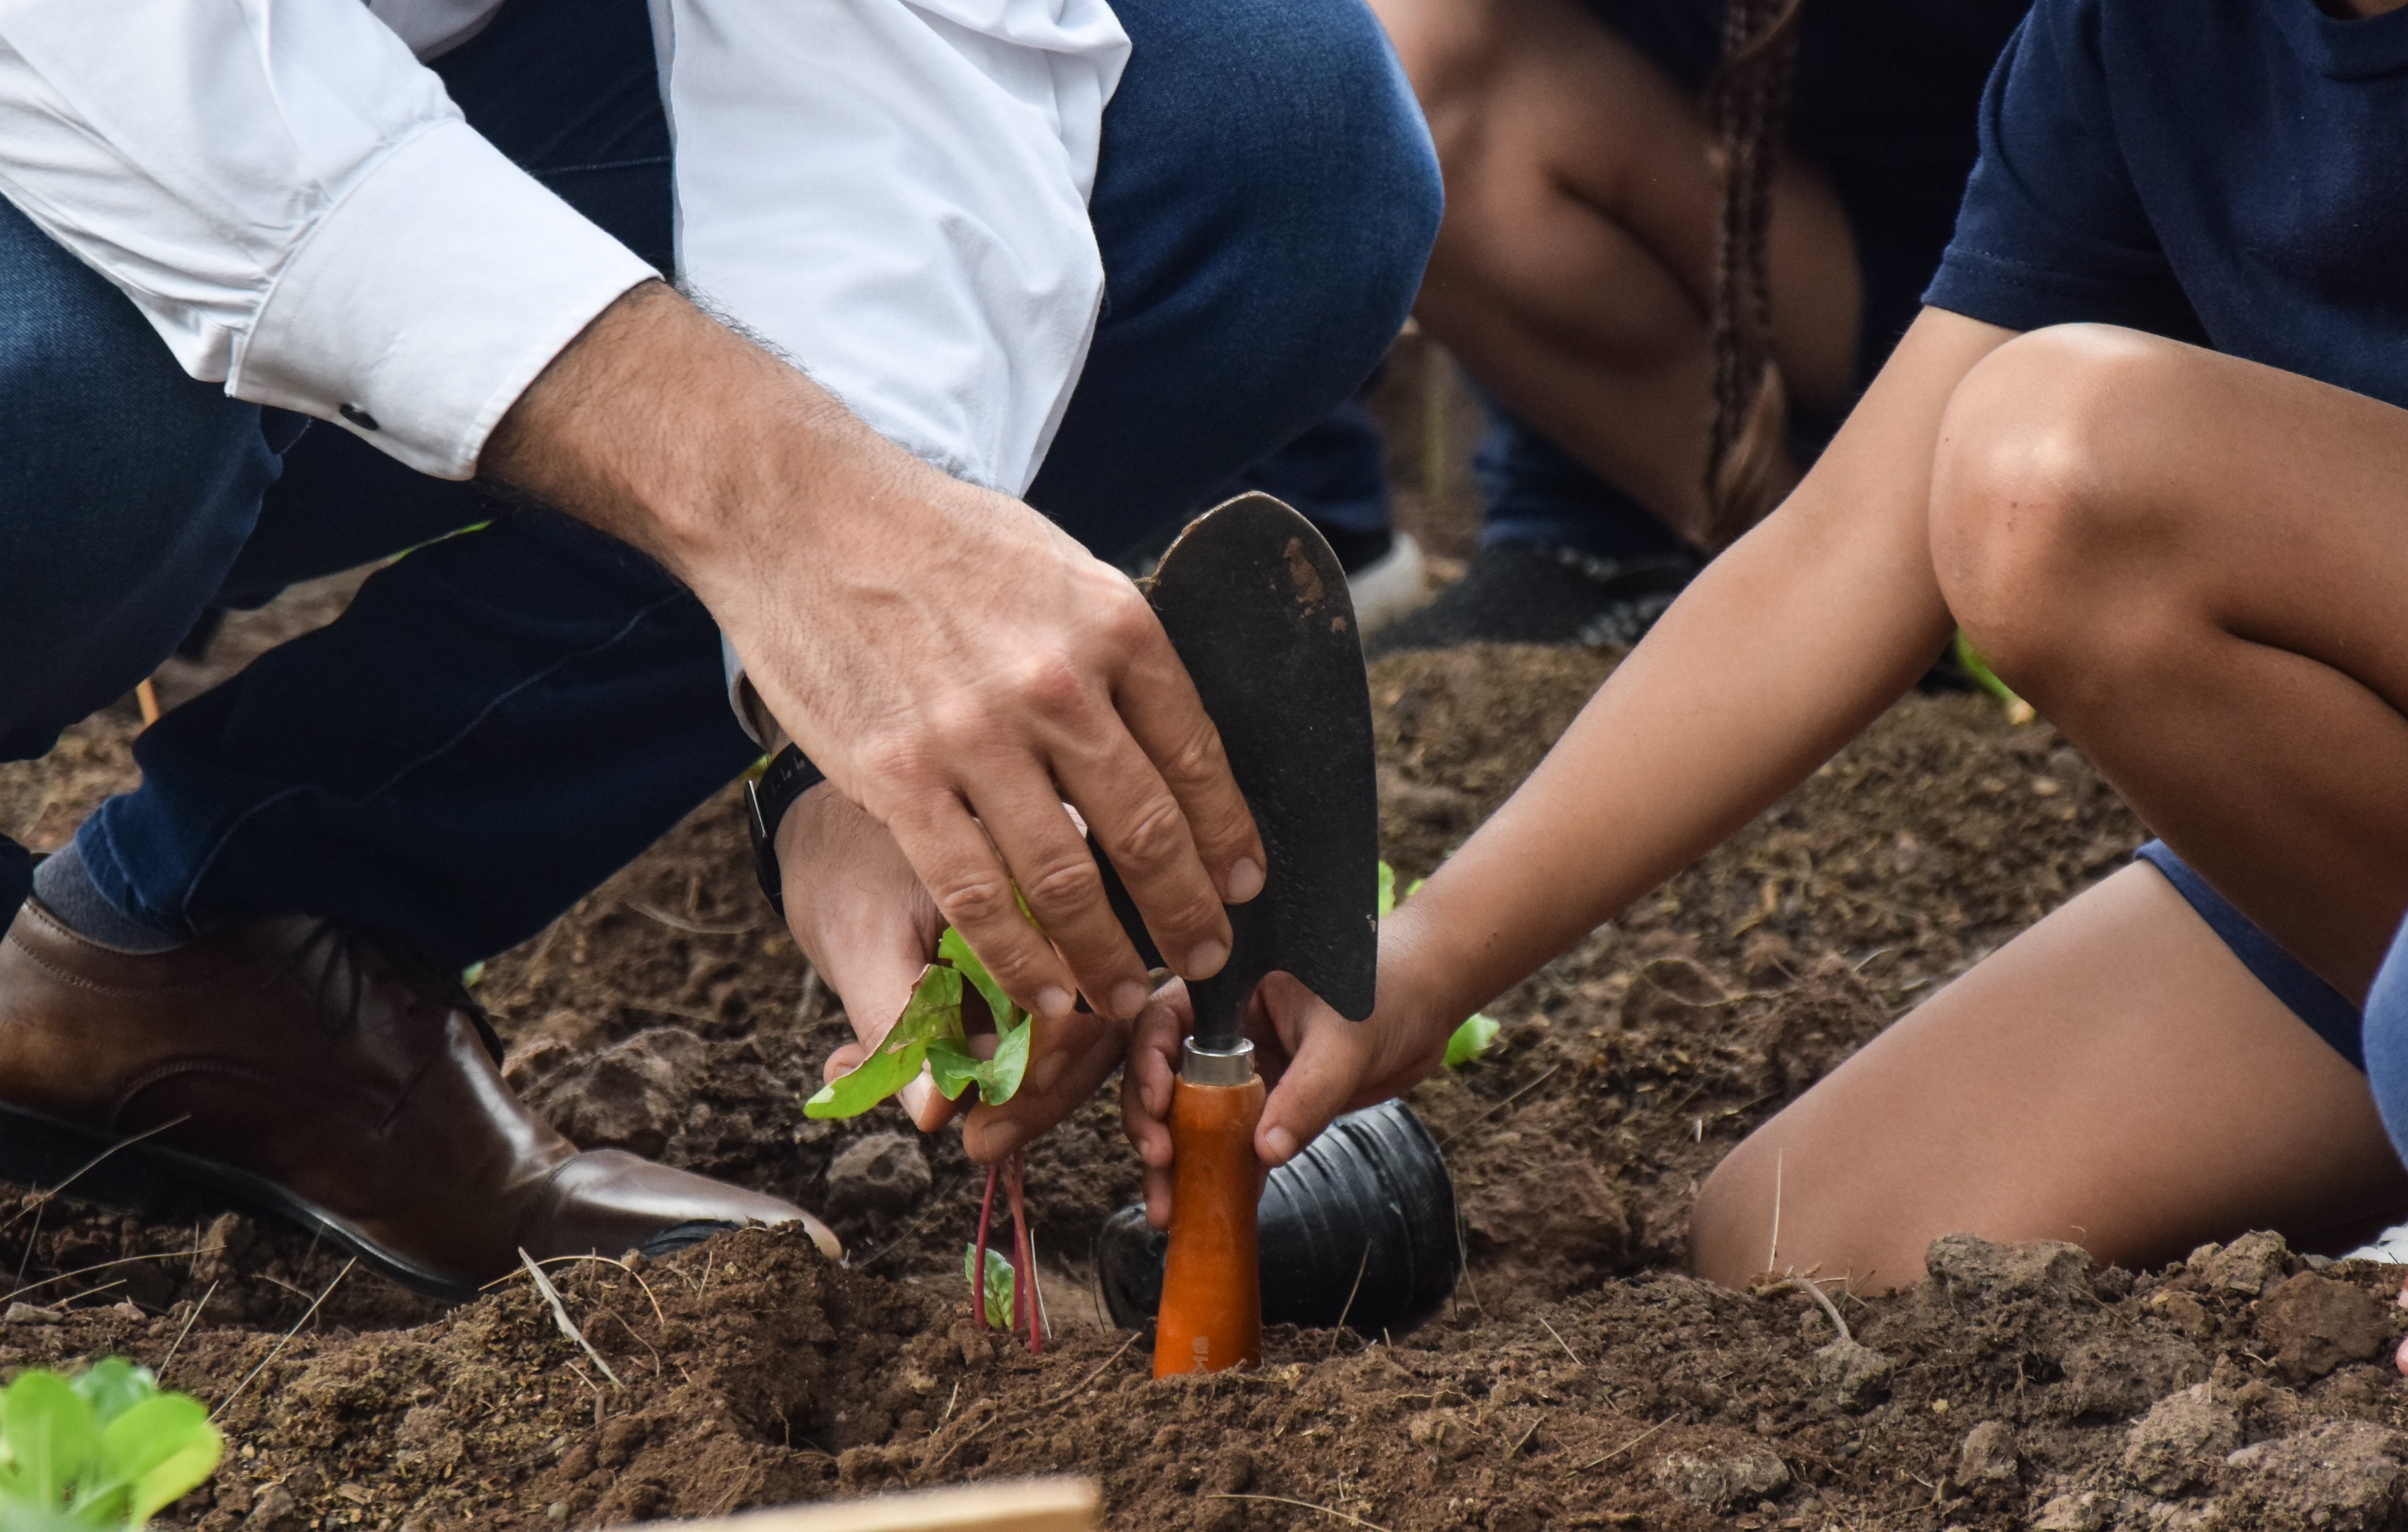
x=1002, y=1288
x=929, y=1035
x=1469, y=1041
x=106, y=1451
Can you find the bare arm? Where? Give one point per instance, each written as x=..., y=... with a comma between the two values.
x=1785, y=648
x=947, y=656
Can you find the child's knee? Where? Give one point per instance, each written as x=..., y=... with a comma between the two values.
x=2034, y=508
x=1731, y=1225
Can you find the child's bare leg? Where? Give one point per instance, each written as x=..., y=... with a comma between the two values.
x=1572, y=270
x=2112, y=1076
x=2197, y=568
x=2192, y=565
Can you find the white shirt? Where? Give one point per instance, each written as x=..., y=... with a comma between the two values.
x=892, y=191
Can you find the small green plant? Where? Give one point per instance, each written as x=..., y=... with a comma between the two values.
x=1002, y=1288
x=929, y=1033
x=1470, y=1041
x=105, y=1451
x=1478, y=1032
x=2018, y=710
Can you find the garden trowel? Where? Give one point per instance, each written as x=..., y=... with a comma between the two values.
x=1258, y=607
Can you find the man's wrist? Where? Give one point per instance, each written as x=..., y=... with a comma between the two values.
x=768, y=802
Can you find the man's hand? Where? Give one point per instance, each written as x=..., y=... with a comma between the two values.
x=1317, y=1064
x=860, y=914
x=954, y=663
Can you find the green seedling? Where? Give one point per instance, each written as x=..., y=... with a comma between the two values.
x=106, y=1451
x=2018, y=710
x=1002, y=1293
x=1473, y=1039
x=1470, y=1041
x=929, y=1035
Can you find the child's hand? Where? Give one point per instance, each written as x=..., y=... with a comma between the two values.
x=1317, y=1063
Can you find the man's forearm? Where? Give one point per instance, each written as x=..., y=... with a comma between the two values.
x=669, y=431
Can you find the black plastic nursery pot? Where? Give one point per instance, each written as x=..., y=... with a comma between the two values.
x=1359, y=1229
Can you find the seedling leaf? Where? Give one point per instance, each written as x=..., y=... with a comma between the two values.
x=106, y=1451
x=935, y=1011
x=999, y=1278
x=1470, y=1041
x=1387, y=890
x=156, y=1451
x=929, y=1033
x=50, y=1436
x=113, y=1385
x=951, y=948
x=955, y=1067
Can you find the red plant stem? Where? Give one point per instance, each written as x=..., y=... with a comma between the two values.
x=1024, y=1253
x=977, y=1276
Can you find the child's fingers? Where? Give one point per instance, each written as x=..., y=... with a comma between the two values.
x=1323, y=1079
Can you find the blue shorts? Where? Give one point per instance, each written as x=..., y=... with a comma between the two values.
x=2326, y=1010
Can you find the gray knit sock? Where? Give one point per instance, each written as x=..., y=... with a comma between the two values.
x=65, y=888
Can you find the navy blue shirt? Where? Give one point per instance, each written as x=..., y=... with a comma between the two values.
x=2229, y=172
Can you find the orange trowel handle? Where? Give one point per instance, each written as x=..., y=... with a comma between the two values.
x=1211, y=1314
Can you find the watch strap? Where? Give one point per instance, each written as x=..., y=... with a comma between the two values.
x=789, y=775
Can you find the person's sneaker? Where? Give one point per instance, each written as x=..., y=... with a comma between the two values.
x=325, y=1077
x=1528, y=593
x=1391, y=587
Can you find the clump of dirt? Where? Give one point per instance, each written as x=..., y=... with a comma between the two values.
x=1579, y=1379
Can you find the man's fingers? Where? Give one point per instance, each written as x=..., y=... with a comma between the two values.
x=973, y=891
x=844, y=1060
x=1058, y=876
x=1158, y=702
x=926, y=1105
x=1137, y=821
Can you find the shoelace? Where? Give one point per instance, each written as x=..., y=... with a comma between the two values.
x=356, y=958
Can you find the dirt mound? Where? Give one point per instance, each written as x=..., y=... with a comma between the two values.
x=1578, y=1379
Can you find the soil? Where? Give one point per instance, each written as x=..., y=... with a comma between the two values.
x=1579, y=1379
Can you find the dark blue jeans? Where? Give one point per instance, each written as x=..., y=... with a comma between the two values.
x=502, y=719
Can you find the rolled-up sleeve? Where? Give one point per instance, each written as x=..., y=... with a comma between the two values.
x=894, y=196
x=299, y=210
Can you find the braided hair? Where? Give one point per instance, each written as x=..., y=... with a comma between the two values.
x=1745, y=104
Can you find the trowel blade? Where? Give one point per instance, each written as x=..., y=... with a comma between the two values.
x=1258, y=607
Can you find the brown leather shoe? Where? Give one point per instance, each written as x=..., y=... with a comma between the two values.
x=322, y=1076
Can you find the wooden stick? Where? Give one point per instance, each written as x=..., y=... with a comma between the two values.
x=1028, y=1505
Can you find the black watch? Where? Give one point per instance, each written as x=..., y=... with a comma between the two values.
x=789, y=775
